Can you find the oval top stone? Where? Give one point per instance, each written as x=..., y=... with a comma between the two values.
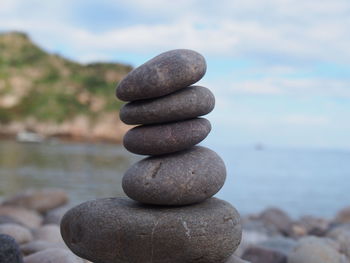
x=183, y=104
x=181, y=178
x=121, y=230
x=164, y=74
x=165, y=138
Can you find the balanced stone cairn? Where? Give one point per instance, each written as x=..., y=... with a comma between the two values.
x=173, y=217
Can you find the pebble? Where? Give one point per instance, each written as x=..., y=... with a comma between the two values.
x=341, y=235
x=9, y=250
x=184, y=104
x=39, y=245
x=256, y=225
x=26, y=217
x=316, y=250
x=19, y=233
x=277, y=218
x=257, y=254
x=162, y=75
x=282, y=244
x=166, y=138
x=122, y=230
x=39, y=200
x=8, y=219
x=250, y=238
x=315, y=226
x=180, y=178
x=343, y=216
x=53, y=255
x=54, y=216
x=49, y=233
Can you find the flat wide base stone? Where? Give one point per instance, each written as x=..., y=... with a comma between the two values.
x=120, y=230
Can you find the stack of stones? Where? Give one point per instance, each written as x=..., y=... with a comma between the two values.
x=171, y=216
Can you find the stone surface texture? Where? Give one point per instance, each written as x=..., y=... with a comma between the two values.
x=166, y=138
x=122, y=230
x=184, y=104
x=180, y=178
x=9, y=250
x=164, y=74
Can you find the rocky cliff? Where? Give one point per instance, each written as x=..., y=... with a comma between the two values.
x=54, y=96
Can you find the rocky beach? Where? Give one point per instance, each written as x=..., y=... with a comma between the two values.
x=29, y=233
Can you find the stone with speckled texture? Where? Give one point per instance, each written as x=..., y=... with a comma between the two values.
x=165, y=138
x=180, y=178
x=9, y=250
x=164, y=74
x=184, y=104
x=121, y=230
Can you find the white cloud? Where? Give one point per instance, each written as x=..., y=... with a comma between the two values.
x=290, y=30
x=281, y=35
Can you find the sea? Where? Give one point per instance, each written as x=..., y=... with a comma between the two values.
x=299, y=181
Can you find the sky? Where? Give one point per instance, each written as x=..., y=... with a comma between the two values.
x=280, y=69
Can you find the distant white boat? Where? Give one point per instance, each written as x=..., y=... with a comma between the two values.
x=29, y=137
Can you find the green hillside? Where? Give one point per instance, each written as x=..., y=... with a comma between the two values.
x=49, y=88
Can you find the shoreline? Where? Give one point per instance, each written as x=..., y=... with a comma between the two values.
x=267, y=236
x=63, y=139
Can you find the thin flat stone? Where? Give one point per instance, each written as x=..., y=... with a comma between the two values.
x=183, y=104
x=181, y=178
x=166, y=138
x=164, y=74
x=120, y=230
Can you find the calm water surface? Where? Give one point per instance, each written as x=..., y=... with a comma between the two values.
x=301, y=182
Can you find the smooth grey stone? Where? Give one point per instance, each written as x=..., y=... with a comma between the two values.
x=184, y=104
x=166, y=138
x=9, y=250
x=181, y=178
x=164, y=74
x=121, y=230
